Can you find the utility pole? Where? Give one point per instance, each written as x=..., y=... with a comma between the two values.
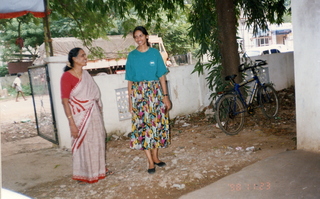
x=46, y=28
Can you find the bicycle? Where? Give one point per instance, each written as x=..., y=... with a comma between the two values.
x=231, y=106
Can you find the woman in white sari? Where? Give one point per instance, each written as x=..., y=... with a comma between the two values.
x=82, y=105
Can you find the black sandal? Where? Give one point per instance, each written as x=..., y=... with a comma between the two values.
x=160, y=164
x=152, y=171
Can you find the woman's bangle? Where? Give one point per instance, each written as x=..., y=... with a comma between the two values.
x=165, y=95
x=70, y=116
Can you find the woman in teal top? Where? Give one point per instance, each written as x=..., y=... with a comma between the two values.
x=148, y=99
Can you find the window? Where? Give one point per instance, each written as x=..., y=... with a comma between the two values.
x=263, y=41
x=274, y=51
x=265, y=52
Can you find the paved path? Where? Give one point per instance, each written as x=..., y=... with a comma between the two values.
x=10, y=109
x=25, y=162
x=287, y=175
x=32, y=161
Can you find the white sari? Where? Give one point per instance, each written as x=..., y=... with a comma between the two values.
x=89, y=148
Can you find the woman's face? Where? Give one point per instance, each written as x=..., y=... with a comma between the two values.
x=140, y=38
x=81, y=59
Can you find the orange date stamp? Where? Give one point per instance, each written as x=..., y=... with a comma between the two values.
x=262, y=186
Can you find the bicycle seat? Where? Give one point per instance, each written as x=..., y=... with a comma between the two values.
x=230, y=77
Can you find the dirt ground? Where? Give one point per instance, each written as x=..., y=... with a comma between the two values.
x=200, y=154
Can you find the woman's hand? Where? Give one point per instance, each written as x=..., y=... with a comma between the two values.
x=166, y=99
x=74, y=131
x=130, y=96
x=130, y=108
x=167, y=103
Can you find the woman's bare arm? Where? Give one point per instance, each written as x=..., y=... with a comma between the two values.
x=129, y=95
x=73, y=128
x=166, y=99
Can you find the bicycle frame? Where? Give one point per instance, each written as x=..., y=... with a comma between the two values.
x=254, y=90
x=236, y=88
x=231, y=105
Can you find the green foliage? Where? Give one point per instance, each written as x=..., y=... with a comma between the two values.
x=258, y=13
x=175, y=35
x=215, y=79
x=61, y=27
x=177, y=41
x=28, y=28
x=3, y=71
x=147, y=10
x=91, y=19
x=287, y=15
x=204, y=31
x=86, y=20
x=25, y=89
x=203, y=28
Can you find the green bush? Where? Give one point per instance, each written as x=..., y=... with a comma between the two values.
x=12, y=93
x=3, y=71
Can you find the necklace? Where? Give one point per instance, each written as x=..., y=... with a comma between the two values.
x=77, y=74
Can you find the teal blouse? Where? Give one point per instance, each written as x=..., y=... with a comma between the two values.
x=145, y=66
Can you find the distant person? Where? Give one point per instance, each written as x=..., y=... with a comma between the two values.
x=83, y=108
x=17, y=86
x=168, y=62
x=149, y=101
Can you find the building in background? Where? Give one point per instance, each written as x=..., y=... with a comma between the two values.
x=115, y=50
x=278, y=36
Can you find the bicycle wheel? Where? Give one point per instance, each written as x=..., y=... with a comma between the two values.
x=230, y=114
x=268, y=100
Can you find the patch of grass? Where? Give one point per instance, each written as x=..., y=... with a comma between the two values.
x=108, y=138
x=12, y=93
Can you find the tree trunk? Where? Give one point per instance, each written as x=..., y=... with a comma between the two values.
x=227, y=32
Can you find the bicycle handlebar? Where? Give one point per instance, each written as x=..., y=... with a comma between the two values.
x=257, y=63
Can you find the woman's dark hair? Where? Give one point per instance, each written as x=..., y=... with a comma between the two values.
x=72, y=53
x=143, y=30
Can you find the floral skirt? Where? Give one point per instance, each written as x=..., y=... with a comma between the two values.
x=150, y=122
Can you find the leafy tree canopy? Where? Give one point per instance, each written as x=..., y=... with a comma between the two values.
x=173, y=32
x=86, y=20
x=206, y=31
x=26, y=27
x=91, y=19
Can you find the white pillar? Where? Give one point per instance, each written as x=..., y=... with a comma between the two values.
x=306, y=29
x=0, y=167
x=55, y=67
